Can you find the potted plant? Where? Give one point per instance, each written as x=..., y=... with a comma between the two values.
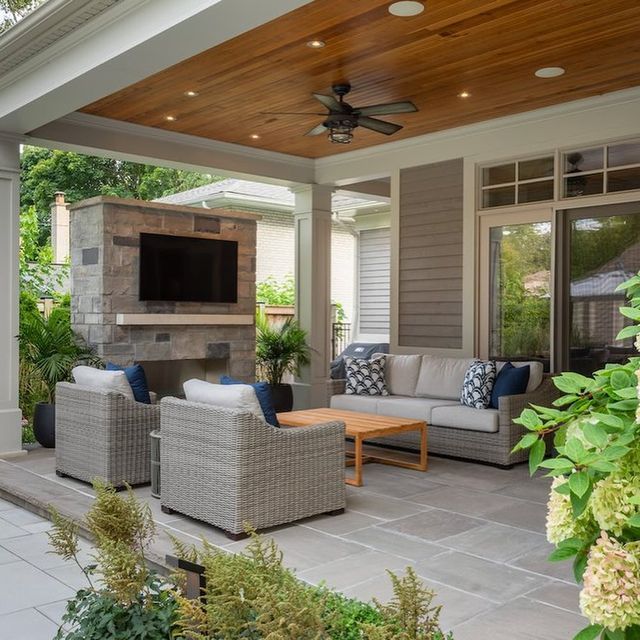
x=48, y=352
x=281, y=348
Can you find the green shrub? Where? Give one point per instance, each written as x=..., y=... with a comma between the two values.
x=594, y=505
x=344, y=617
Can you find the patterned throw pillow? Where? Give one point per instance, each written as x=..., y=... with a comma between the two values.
x=478, y=384
x=366, y=377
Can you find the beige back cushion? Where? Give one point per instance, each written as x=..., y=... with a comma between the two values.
x=442, y=377
x=536, y=370
x=401, y=374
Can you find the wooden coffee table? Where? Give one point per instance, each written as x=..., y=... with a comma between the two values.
x=361, y=427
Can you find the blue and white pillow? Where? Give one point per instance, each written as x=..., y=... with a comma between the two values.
x=478, y=384
x=366, y=377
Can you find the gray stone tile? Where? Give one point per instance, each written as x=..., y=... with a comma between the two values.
x=38, y=527
x=71, y=575
x=472, y=476
x=464, y=500
x=28, y=624
x=558, y=594
x=306, y=548
x=396, y=543
x=347, y=572
x=521, y=620
x=54, y=611
x=9, y=531
x=433, y=525
x=340, y=524
x=495, y=542
x=36, y=550
x=378, y=506
x=524, y=515
x=6, y=556
x=23, y=585
x=378, y=587
x=397, y=487
x=484, y=578
x=5, y=505
x=532, y=489
x=21, y=517
x=197, y=530
x=537, y=562
x=457, y=606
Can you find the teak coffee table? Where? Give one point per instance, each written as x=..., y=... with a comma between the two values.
x=361, y=427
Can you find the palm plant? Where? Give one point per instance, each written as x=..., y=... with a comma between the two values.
x=280, y=348
x=49, y=349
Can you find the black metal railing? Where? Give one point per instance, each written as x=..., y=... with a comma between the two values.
x=340, y=338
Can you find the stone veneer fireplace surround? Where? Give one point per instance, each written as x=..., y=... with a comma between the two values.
x=175, y=339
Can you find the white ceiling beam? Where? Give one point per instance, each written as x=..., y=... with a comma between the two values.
x=94, y=135
x=122, y=45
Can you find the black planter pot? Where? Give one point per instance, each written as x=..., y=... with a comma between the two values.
x=44, y=424
x=282, y=396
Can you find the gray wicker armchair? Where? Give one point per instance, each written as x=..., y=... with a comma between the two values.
x=102, y=434
x=229, y=469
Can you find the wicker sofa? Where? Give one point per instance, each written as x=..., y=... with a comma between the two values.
x=103, y=434
x=428, y=388
x=230, y=469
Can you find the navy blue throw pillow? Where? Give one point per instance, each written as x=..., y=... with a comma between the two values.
x=263, y=393
x=511, y=381
x=137, y=379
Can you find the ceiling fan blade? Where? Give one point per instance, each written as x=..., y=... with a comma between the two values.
x=378, y=125
x=330, y=102
x=317, y=130
x=290, y=113
x=387, y=109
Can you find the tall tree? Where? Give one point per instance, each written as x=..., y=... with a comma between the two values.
x=45, y=171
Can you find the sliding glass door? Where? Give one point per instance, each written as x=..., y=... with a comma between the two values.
x=516, y=286
x=600, y=247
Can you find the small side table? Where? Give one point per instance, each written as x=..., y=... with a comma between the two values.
x=156, y=439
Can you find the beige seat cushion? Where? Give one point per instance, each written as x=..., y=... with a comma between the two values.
x=401, y=374
x=462, y=417
x=442, y=377
x=365, y=404
x=412, y=408
x=536, y=371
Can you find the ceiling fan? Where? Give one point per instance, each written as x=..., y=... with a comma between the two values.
x=342, y=118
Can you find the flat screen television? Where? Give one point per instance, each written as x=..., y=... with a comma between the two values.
x=181, y=269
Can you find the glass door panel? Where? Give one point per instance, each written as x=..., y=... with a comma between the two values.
x=519, y=291
x=604, y=250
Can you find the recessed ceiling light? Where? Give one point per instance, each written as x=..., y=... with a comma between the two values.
x=170, y=118
x=406, y=8
x=464, y=94
x=549, y=72
x=254, y=136
x=191, y=94
x=316, y=44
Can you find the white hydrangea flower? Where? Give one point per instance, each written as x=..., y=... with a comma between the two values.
x=561, y=523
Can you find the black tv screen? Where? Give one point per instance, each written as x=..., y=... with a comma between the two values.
x=180, y=269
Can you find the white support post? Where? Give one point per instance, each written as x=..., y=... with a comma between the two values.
x=10, y=414
x=312, y=216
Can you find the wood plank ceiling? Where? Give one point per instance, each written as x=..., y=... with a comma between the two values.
x=489, y=48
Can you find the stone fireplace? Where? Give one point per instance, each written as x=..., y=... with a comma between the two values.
x=174, y=341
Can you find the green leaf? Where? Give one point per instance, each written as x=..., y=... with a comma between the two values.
x=530, y=419
x=634, y=500
x=614, y=452
x=567, y=385
x=634, y=521
x=562, y=553
x=610, y=420
x=547, y=412
x=618, y=634
x=623, y=405
x=579, y=483
x=628, y=284
x=527, y=440
x=536, y=455
x=589, y=633
x=603, y=466
x=557, y=463
x=595, y=435
x=574, y=449
x=573, y=543
x=564, y=400
x=579, y=566
x=628, y=332
x=630, y=312
x=627, y=392
x=563, y=489
x=619, y=379
x=579, y=503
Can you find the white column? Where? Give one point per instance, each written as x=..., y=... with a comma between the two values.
x=10, y=414
x=60, y=229
x=312, y=215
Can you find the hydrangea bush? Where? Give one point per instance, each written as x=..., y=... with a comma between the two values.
x=594, y=504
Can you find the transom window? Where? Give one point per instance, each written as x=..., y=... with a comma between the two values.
x=518, y=182
x=606, y=169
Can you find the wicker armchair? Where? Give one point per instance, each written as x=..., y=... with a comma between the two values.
x=102, y=434
x=229, y=469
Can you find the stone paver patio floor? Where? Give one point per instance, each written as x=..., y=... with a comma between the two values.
x=475, y=534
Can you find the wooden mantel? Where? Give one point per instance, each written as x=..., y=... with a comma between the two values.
x=166, y=319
